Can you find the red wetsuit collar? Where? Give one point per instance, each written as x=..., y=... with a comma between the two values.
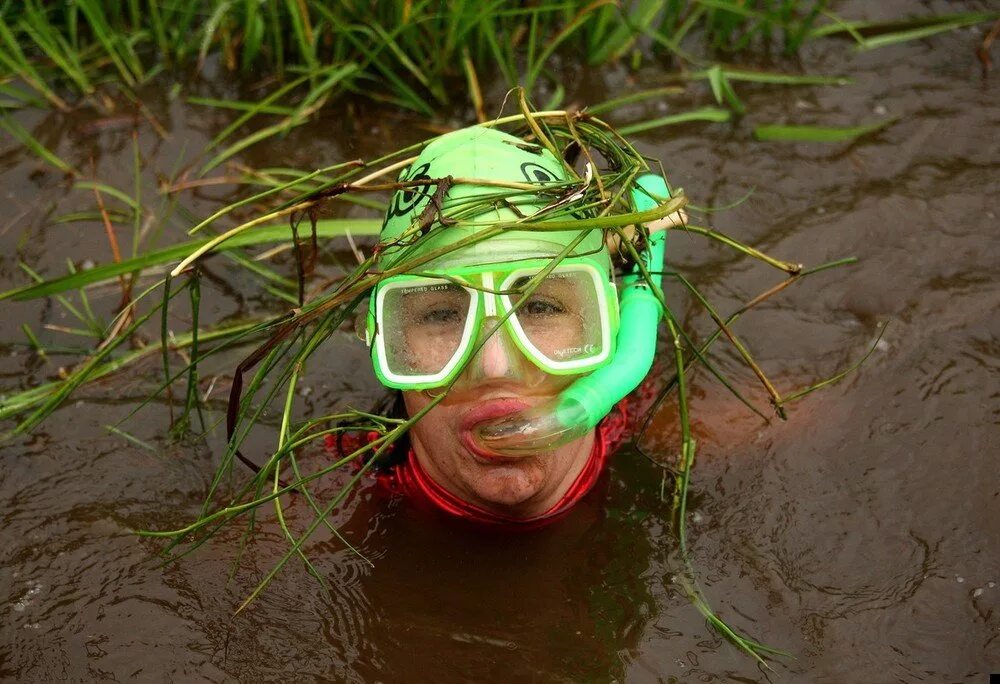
x=410, y=479
x=414, y=481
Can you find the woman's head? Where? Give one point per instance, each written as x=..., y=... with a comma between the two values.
x=499, y=317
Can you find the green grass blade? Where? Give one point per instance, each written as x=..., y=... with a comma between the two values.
x=408, y=64
x=16, y=404
x=839, y=376
x=824, y=134
x=917, y=33
x=712, y=114
x=21, y=134
x=105, y=189
x=301, y=29
x=255, y=107
x=96, y=328
x=326, y=228
x=131, y=438
x=117, y=50
x=632, y=98
x=771, y=77
x=859, y=29
x=722, y=91
x=252, y=139
x=33, y=341
x=18, y=98
x=80, y=375
x=15, y=60
x=537, y=64
x=36, y=24
x=322, y=90
x=623, y=37
x=211, y=26
x=136, y=202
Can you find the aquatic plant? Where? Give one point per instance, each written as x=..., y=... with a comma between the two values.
x=416, y=55
x=413, y=48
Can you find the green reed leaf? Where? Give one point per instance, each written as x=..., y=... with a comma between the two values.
x=823, y=134
x=325, y=228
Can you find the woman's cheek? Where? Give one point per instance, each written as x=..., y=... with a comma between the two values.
x=437, y=430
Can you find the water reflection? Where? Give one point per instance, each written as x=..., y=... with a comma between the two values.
x=456, y=601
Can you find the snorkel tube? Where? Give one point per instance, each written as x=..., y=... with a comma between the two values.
x=582, y=405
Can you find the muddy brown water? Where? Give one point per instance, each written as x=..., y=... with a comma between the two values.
x=862, y=535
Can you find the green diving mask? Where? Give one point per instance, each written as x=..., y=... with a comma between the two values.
x=424, y=328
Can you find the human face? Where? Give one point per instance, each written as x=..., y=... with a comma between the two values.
x=497, y=382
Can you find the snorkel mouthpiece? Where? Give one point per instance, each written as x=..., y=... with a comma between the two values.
x=540, y=428
x=582, y=405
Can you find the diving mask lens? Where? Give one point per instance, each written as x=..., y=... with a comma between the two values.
x=563, y=322
x=425, y=326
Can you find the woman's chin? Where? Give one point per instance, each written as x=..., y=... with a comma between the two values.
x=503, y=484
x=505, y=487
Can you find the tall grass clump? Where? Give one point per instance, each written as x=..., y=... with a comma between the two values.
x=411, y=54
x=433, y=57
x=415, y=46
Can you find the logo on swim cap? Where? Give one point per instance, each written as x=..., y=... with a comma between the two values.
x=406, y=199
x=536, y=173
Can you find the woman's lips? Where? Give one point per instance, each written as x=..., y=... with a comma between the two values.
x=483, y=411
x=491, y=409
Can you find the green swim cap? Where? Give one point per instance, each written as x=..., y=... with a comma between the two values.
x=490, y=155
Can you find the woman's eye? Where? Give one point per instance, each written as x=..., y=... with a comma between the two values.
x=440, y=316
x=543, y=306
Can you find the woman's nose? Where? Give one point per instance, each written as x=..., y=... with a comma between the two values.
x=499, y=360
x=494, y=356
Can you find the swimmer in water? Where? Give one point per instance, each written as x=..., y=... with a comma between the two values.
x=535, y=364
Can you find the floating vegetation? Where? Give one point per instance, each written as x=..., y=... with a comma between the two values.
x=826, y=134
x=20, y=133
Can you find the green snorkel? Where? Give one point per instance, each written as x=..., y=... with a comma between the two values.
x=582, y=405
